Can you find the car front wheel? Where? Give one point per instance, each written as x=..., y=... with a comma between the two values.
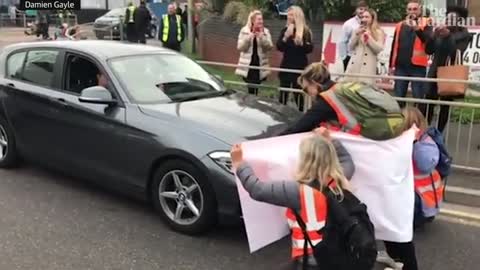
x=184, y=198
x=8, y=152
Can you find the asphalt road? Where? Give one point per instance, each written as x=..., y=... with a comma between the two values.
x=50, y=221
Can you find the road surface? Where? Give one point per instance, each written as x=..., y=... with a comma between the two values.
x=50, y=221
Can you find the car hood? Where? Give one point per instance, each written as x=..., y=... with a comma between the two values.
x=108, y=20
x=233, y=118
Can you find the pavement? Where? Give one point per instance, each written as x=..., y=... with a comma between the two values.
x=51, y=221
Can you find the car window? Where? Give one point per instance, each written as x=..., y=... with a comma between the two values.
x=81, y=73
x=15, y=64
x=39, y=67
x=164, y=77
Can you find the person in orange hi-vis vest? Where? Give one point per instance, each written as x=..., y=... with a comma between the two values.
x=327, y=109
x=429, y=186
x=408, y=57
x=319, y=168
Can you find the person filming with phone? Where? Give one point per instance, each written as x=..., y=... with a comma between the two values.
x=254, y=44
x=408, y=57
x=366, y=43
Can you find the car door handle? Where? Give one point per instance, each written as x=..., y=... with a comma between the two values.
x=63, y=102
x=10, y=85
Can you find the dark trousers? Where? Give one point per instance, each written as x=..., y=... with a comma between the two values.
x=404, y=253
x=290, y=81
x=252, y=90
x=141, y=36
x=345, y=63
x=444, y=109
x=131, y=32
x=401, y=86
x=175, y=47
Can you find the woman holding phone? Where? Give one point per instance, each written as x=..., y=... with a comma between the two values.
x=295, y=42
x=254, y=44
x=366, y=43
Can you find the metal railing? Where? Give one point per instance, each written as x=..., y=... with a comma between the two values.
x=461, y=119
x=22, y=20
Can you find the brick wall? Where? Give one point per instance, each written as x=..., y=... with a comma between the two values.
x=218, y=41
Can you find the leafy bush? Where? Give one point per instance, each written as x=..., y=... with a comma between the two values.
x=236, y=12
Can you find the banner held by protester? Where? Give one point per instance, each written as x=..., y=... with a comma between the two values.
x=383, y=180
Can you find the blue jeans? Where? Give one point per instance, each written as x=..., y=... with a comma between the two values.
x=418, y=88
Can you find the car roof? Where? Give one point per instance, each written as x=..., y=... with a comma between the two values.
x=97, y=48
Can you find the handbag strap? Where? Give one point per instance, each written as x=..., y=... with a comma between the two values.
x=307, y=241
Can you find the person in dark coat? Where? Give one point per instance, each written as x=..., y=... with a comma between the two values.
x=169, y=33
x=446, y=41
x=130, y=22
x=295, y=42
x=142, y=20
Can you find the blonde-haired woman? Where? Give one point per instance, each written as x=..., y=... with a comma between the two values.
x=367, y=42
x=295, y=42
x=254, y=44
x=319, y=168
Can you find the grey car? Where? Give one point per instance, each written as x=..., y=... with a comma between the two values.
x=138, y=119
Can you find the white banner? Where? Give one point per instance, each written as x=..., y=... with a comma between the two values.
x=383, y=180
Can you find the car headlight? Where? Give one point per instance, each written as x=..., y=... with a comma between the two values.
x=223, y=159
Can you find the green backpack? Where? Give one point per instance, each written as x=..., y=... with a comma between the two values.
x=378, y=114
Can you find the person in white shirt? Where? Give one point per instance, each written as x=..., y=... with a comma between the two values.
x=348, y=29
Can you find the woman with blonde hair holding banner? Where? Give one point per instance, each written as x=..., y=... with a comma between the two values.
x=319, y=169
x=254, y=44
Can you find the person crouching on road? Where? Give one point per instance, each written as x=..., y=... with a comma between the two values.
x=319, y=168
x=172, y=32
x=428, y=182
x=254, y=44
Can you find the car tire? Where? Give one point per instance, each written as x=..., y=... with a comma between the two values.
x=167, y=206
x=152, y=32
x=8, y=151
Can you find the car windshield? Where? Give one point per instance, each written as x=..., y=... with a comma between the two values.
x=115, y=12
x=161, y=78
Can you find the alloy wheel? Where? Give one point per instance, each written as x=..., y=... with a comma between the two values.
x=181, y=197
x=3, y=143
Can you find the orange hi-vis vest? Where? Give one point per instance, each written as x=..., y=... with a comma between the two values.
x=346, y=121
x=430, y=188
x=419, y=56
x=313, y=211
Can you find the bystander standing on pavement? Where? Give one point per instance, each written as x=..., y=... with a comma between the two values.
x=366, y=43
x=408, y=57
x=172, y=31
x=43, y=19
x=447, y=41
x=295, y=41
x=254, y=44
x=142, y=20
x=348, y=31
x=130, y=22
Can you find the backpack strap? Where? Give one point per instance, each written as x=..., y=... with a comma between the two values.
x=434, y=191
x=307, y=241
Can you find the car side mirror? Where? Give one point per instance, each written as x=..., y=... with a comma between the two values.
x=97, y=95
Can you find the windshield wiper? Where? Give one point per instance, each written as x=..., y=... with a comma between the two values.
x=204, y=95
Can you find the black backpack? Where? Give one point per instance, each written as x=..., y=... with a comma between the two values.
x=348, y=236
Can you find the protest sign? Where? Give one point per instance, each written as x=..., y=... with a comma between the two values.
x=383, y=180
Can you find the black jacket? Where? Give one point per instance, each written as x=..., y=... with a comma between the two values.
x=320, y=112
x=294, y=57
x=442, y=47
x=142, y=17
x=405, y=46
